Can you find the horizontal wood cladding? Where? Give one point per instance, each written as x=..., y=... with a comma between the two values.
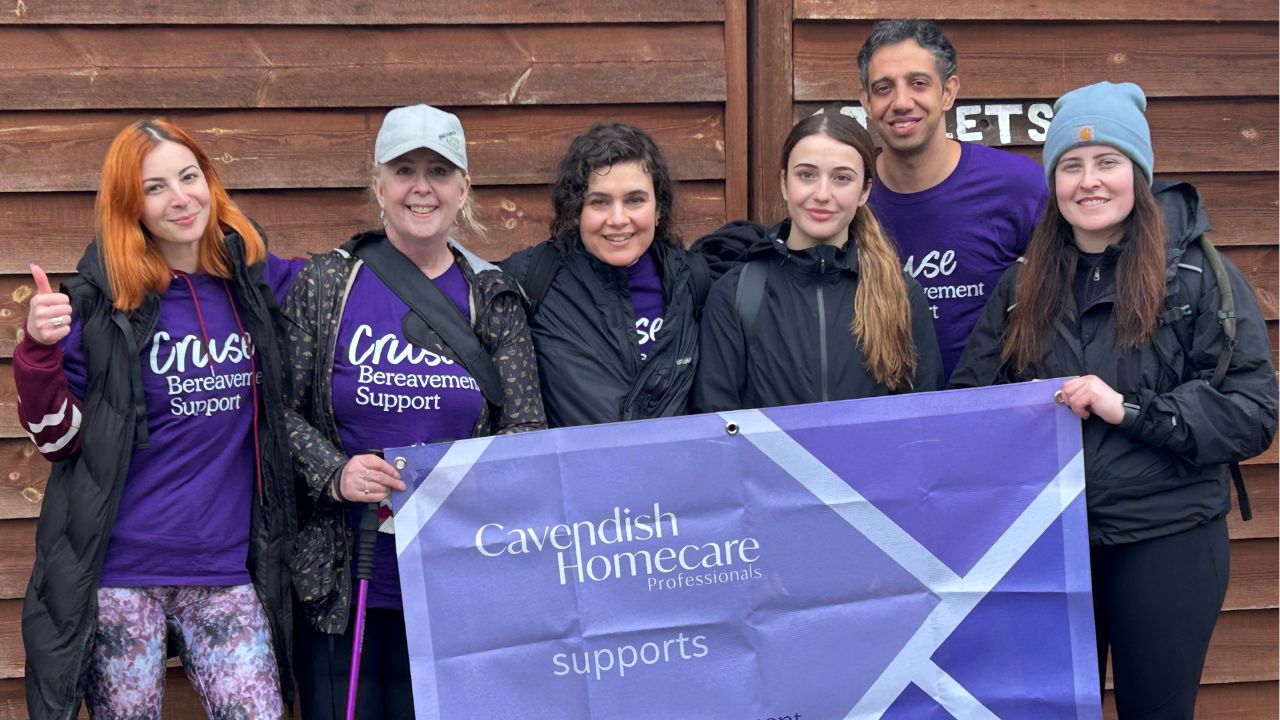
x=1233, y=701
x=1190, y=135
x=152, y=67
x=43, y=152
x=58, y=226
x=1046, y=59
x=344, y=12
x=943, y=10
x=1254, y=574
x=180, y=700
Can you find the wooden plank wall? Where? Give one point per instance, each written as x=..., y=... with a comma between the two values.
x=287, y=98
x=1209, y=68
x=288, y=95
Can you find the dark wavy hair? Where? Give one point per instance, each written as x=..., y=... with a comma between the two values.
x=604, y=145
x=1044, y=283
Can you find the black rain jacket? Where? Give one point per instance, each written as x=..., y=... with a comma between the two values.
x=60, y=613
x=1167, y=471
x=801, y=349
x=584, y=332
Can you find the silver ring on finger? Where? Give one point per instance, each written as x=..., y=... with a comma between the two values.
x=56, y=322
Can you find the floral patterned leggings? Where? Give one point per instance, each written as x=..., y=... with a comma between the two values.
x=224, y=644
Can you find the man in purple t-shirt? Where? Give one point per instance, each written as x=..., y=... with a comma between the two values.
x=960, y=214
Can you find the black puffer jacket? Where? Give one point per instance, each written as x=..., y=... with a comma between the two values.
x=585, y=337
x=60, y=613
x=801, y=349
x=1167, y=471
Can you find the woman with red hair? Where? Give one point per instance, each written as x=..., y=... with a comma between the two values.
x=153, y=383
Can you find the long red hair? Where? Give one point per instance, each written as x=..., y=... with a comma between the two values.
x=133, y=262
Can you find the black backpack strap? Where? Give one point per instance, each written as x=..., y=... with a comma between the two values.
x=749, y=295
x=542, y=269
x=699, y=279
x=1242, y=495
x=439, y=313
x=1226, y=311
x=1227, y=319
x=1177, y=308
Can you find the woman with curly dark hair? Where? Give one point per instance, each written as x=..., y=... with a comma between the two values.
x=612, y=292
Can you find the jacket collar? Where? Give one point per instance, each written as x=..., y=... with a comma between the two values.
x=817, y=260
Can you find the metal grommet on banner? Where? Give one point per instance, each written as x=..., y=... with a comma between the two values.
x=1059, y=398
x=731, y=428
x=400, y=463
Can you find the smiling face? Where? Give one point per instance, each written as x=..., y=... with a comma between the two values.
x=824, y=185
x=175, y=208
x=619, y=213
x=420, y=194
x=1093, y=186
x=906, y=99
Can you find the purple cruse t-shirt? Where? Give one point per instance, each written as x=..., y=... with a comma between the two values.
x=958, y=237
x=184, y=510
x=389, y=392
x=646, y=301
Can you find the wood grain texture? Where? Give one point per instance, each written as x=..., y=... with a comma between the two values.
x=46, y=152
x=1217, y=10
x=56, y=227
x=153, y=67
x=736, y=109
x=1243, y=648
x=342, y=12
x=770, y=78
x=1264, y=496
x=1254, y=567
x=17, y=555
x=1046, y=59
x=1235, y=701
x=1189, y=135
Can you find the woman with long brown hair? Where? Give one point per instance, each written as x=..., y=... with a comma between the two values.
x=820, y=308
x=1118, y=290
x=153, y=383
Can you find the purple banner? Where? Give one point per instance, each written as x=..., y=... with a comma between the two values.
x=903, y=557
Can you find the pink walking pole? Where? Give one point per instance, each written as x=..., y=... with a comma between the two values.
x=364, y=571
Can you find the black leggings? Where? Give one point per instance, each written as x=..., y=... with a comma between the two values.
x=1155, y=603
x=322, y=664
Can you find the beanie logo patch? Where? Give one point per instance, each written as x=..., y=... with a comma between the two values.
x=1084, y=133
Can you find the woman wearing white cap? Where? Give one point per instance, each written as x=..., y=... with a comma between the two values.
x=404, y=300
x=1118, y=291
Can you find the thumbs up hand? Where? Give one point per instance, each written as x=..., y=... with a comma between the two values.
x=49, y=313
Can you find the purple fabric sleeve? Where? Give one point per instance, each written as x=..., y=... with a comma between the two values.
x=279, y=274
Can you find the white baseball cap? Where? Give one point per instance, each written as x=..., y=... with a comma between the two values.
x=421, y=126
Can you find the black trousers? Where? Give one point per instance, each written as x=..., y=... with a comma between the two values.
x=1155, y=603
x=322, y=664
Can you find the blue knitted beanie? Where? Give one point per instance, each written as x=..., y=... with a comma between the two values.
x=1103, y=114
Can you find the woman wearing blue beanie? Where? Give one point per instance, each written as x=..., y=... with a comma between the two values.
x=1118, y=291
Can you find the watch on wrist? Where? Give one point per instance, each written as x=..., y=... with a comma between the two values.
x=1131, y=412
